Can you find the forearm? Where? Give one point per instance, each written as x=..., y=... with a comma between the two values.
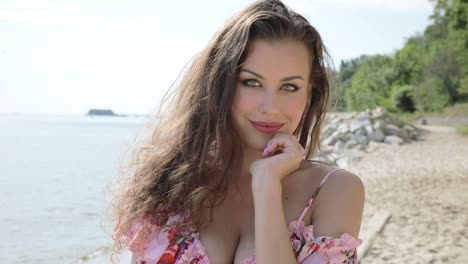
x=272, y=243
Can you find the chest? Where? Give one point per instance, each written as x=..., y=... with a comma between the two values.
x=230, y=236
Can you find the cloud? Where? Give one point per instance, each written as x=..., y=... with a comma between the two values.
x=53, y=13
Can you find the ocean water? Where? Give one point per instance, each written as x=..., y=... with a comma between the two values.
x=54, y=171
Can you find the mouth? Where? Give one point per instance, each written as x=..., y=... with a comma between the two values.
x=267, y=127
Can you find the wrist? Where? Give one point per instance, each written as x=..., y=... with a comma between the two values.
x=266, y=183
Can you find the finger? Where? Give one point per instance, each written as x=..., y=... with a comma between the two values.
x=280, y=142
x=291, y=145
x=272, y=146
x=287, y=141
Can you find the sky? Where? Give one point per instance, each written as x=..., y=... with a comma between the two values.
x=66, y=57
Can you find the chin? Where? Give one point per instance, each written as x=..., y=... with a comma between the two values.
x=255, y=142
x=259, y=143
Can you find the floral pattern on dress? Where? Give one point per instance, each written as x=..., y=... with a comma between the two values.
x=177, y=242
x=156, y=242
x=323, y=249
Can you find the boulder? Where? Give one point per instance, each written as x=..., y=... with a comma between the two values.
x=361, y=139
x=394, y=140
x=377, y=136
x=391, y=129
x=351, y=143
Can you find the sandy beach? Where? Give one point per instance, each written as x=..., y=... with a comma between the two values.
x=424, y=187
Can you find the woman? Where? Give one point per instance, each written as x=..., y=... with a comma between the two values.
x=225, y=177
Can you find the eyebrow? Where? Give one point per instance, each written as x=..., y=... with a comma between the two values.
x=261, y=77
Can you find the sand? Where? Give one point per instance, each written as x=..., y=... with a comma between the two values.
x=424, y=187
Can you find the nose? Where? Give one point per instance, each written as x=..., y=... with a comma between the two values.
x=269, y=102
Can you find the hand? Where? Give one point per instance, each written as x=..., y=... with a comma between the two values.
x=283, y=154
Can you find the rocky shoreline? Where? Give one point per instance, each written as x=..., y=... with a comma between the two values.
x=347, y=136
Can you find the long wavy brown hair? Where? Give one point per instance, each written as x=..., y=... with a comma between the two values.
x=184, y=163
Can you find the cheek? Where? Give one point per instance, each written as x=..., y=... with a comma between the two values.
x=295, y=107
x=243, y=102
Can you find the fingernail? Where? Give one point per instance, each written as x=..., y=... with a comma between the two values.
x=265, y=151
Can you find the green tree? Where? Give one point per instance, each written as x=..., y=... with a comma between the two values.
x=343, y=81
x=409, y=61
x=371, y=85
x=442, y=64
x=430, y=96
x=450, y=26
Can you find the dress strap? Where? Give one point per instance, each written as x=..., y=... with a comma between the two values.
x=311, y=201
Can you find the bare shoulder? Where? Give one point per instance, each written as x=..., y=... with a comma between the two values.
x=341, y=180
x=339, y=205
x=344, y=182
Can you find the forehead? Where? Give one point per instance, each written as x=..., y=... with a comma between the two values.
x=281, y=57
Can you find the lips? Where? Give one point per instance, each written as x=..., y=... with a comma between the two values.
x=267, y=127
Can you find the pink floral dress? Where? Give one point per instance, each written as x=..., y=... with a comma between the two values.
x=164, y=239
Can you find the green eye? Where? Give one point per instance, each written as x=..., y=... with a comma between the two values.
x=290, y=87
x=250, y=83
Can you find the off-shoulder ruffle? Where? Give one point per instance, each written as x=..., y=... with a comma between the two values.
x=323, y=249
x=313, y=250
x=149, y=238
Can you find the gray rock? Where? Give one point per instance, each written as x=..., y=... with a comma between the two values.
x=378, y=112
x=343, y=128
x=348, y=136
x=335, y=120
x=361, y=139
x=360, y=132
x=394, y=140
x=409, y=128
x=360, y=147
x=363, y=116
x=379, y=124
x=329, y=141
x=335, y=136
x=391, y=129
x=357, y=124
x=404, y=135
x=351, y=143
x=369, y=129
x=377, y=136
x=414, y=135
x=339, y=145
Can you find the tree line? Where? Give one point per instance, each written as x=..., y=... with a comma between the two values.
x=427, y=74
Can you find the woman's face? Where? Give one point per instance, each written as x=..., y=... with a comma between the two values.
x=273, y=87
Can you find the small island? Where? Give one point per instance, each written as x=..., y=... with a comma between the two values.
x=101, y=112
